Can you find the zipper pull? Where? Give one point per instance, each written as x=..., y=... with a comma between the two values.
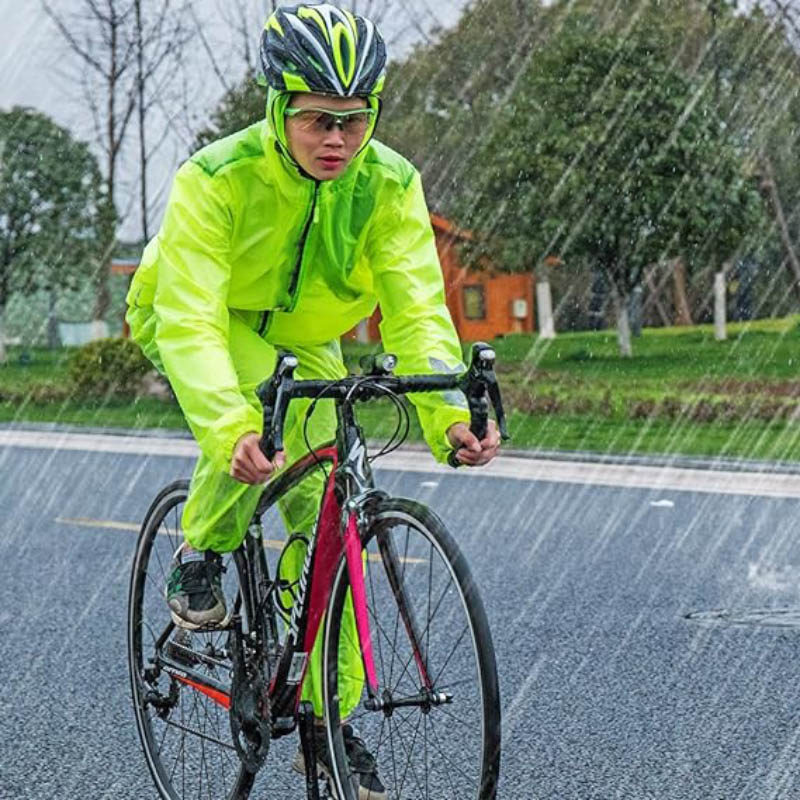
x=316, y=213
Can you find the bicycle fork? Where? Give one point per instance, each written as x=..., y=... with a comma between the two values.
x=377, y=700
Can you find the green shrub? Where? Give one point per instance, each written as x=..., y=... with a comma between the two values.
x=107, y=368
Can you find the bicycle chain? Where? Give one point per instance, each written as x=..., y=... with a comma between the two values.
x=250, y=714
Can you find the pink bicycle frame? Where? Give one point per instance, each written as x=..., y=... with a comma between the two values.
x=336, y=534
x=329, y=544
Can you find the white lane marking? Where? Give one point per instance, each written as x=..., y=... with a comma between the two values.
x=662, y=504
x=100, y=443
x=629, y=476
x=429, y=484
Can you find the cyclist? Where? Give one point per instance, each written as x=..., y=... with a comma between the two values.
x=286, y=235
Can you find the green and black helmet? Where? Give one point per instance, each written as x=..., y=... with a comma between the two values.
x=322, y=48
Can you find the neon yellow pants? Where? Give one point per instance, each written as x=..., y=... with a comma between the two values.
x=219, y=508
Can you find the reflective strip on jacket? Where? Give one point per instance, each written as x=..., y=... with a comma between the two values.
x=302, y=261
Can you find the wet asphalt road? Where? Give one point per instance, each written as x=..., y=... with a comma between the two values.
x=608, y=690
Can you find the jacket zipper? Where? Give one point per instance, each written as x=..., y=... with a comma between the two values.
x=295, y=277
x=312, y=217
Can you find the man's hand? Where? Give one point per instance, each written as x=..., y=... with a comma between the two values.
x=249, y=464
x=469, y=450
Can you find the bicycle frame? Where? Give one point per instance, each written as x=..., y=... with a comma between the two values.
x=344, y=512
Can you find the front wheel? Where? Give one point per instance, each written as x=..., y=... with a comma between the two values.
x=436, y=733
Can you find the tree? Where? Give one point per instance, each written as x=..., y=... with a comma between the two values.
x=441, y=101
x=127, y=56
x=100, y=35
x=160, y=34
x=749, y=65
x=240, y=106
x=607, y=155
x=53, y=208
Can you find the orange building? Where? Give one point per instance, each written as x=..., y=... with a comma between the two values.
x=483, y=303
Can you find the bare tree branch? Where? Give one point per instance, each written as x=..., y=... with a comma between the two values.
x=209, y=50
x=75, y=46
x=159, y=41
x=98, y=34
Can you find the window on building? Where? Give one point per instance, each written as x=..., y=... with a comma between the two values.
x=474, y=302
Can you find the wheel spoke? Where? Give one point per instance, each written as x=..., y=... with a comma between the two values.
x=447, y=660
x=409, y=756
x=445, y=711
x=448, y=773
x=425, y=755
x=190, y=748
x=406, y=665
x=180, y=726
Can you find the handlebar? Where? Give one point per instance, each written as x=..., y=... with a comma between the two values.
x=478, y=383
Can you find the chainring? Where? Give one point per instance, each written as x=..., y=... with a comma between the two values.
x=250, y=708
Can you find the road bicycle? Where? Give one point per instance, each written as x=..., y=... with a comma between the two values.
x=210, y=703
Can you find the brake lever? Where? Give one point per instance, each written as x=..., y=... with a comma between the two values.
x=480, y=386
x=274, y=394
x=493, y=389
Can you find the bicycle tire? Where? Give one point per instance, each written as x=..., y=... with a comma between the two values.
x=460, y=756
x=192, y=712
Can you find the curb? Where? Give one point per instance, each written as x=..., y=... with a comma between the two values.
x=717, y=463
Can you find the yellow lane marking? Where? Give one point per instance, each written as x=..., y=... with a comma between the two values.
x=98, y=523
x=270, y=544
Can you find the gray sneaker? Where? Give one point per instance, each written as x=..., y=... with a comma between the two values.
x=362, y=763
x=194, y=592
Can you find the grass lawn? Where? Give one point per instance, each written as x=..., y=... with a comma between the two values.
x=681, y=393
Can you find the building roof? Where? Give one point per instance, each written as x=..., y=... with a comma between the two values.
x=124, y=266
x=444, y=225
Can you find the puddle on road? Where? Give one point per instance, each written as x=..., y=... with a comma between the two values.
x=764, y=617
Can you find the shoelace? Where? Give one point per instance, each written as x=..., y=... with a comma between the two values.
x=199, y=575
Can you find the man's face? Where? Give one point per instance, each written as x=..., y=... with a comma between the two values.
x=321, y=144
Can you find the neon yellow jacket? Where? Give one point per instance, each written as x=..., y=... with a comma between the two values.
x=300, y=261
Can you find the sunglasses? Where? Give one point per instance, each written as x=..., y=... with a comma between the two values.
x=321, y=120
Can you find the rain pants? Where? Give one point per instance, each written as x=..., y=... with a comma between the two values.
x=253, y=256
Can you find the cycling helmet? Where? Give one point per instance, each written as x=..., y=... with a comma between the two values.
x=322, y=48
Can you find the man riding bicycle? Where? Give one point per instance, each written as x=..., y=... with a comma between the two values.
x=286, y=235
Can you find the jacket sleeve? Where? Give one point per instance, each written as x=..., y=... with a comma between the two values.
x=191, y=310
x=416, y=324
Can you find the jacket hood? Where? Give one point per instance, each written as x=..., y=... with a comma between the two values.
x=277, y=102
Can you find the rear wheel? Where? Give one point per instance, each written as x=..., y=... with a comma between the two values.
x=437, y=734
x=185, y=733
